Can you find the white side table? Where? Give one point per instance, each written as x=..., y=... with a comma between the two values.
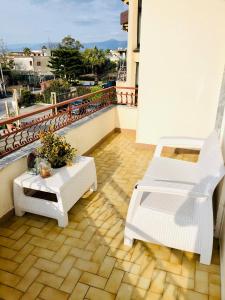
x=54, y=196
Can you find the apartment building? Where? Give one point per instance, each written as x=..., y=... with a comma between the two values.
x=36, y=62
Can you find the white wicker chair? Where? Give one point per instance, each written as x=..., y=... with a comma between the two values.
x=172, y=204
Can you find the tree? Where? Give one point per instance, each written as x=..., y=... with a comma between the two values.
x=58, y=86
x=3, y=52
x=27, y=51
x=4, y=60
x=97, y=62
x=11, y=64
x=6, y=65
x=26, y=98
x=94, y=58
x=71, y=43
x=66, y=63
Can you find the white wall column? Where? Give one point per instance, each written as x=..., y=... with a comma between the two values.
x=182, y=61
x=132, y=43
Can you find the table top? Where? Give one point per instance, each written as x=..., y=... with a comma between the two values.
x=60, y=176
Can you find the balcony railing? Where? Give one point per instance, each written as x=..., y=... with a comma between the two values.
x=127, y=96
x=17, y=132
x=122, y=73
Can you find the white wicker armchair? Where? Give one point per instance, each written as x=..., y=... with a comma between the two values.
x=172, y=204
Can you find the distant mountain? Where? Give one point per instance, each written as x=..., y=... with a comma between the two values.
x=109, y=44
x=20, y=47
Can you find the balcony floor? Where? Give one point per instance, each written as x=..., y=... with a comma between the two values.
x=87, y=260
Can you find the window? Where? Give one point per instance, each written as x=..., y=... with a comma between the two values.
x=31, y=63
x=38, y=63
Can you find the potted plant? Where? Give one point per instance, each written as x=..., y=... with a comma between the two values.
x=55, y=149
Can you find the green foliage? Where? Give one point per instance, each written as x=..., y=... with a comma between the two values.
x=58, y=86
x=7, y=70
x=95, y=89
x=55, y=149
x=39, y=98
x=27, y=51
x=94, y=58
x=97, y=62
x=71, y=43
x=11, y=64
x=66, y=63
x=8, y=65
x=67, y=60
x=83, y=90
x=27, y=98
x=3, y=127
x=108, y=67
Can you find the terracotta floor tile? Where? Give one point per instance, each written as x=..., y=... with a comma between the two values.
x=88, y=259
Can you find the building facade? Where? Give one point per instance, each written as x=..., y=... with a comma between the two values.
x=36, y=62
x=40, y=65
x=176, y=56
x=23, y=63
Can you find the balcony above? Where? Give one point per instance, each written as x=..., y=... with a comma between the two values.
x=124, y=20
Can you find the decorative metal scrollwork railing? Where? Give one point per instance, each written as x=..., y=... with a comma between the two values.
x=25, y=129
x=122, y=73
x=17, y=132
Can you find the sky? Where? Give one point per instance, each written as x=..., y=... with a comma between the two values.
x=38, y=21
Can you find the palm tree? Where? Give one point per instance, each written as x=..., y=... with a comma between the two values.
x=27, y=51
x=95, y=58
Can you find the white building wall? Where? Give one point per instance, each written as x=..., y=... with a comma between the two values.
x=23, y=63
x=126, y=117
x=132, y=58
x=42, y=69
x=182, y=57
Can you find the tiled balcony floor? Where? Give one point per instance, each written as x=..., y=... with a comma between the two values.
x=87, y=260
